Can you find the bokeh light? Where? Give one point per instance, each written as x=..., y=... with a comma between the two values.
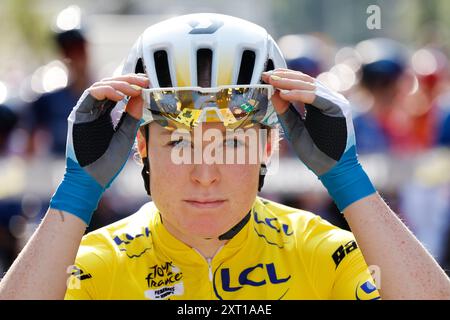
x=50, y=77
x=331, y=80
x=346, y=76
x=69, y=18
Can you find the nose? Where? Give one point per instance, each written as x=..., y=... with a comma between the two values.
x=205, y=174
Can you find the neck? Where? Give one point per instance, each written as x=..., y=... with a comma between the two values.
x=206, y=247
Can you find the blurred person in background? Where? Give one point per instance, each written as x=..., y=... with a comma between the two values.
x=431, y=66
x=400, y=116
x=49, y=112
x=385, y=81
x=424, y=104
x=307, y=53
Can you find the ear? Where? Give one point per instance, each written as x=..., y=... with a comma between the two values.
x=268, y=147
x=271, y=144
x=142, y=144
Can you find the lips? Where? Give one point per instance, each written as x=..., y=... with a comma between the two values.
x=205, y=203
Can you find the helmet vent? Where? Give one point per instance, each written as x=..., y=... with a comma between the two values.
x=247, y=66
x=162, y=68
x=204, y=67
x=139, y=66
x=269, y=65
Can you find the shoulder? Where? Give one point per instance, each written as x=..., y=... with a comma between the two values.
x=126, y=236
x=314, y=235
x=103, y=252
x=304, y=222
x=327, y=255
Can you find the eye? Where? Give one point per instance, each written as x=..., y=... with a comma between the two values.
x=233, y=143
x=180, y=143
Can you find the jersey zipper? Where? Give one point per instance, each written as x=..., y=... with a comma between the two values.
x=209, y=262
x=210, y=269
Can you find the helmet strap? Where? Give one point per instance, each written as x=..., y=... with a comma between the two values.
x=146, y=169
x=234, y=230
x=262, y=175
x=146, y=175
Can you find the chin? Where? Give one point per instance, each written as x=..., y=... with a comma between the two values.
x=207, y=227
x=207, y=222
x=206, y=231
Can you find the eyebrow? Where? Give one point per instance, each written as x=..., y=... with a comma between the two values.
x=169, y=132
x=166, y=132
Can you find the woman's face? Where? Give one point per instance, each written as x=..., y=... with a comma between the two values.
x=199, y=199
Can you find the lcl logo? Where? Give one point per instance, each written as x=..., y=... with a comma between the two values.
x=245, y=279
x=208, y=26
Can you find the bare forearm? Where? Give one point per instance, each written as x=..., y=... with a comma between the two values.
x=407, y=270
x=40, y=270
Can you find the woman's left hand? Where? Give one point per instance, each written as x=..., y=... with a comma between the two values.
x=293, y=86
x=323, y=138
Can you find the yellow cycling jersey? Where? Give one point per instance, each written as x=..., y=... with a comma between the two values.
x=280, y=253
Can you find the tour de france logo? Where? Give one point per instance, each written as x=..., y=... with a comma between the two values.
x=164, y=280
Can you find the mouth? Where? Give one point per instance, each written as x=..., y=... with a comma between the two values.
x=205, y=204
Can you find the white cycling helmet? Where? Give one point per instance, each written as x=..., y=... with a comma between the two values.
x=204, y=50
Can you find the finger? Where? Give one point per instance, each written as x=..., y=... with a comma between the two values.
x=278, y=103
x=106, y=92
x=290, y=74
x=288, y=70
x=134, y=107
x=127, y=76
x=305, y=96
x=290, y=84
x=137, y=79
x=126, y=88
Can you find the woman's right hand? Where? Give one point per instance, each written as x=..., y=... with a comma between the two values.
x=115, y=88
x=96, y=151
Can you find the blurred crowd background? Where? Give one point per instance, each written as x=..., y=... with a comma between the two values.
x=396, y=77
